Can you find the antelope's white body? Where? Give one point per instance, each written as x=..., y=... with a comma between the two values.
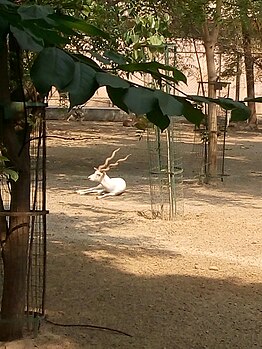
x=107, y=186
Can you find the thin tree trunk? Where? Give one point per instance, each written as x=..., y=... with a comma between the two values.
x=210, y=36
x=238, y=77
x=212, y=112
x=250, y=79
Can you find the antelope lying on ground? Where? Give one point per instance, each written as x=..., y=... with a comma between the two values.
x=107, y=186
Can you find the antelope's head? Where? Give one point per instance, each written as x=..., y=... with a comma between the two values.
x=97, y=176
x=100, y=172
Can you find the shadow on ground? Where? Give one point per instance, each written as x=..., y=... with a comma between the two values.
x=93, y=286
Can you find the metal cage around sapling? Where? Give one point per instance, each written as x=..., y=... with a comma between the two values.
x=166, y=172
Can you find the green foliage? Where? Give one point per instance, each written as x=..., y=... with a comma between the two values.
x=257, y=99
x=105, y=79
x=239, y=111
x=80, y=76
x=27, y=40
x=115, y=57
x=148, y=30
x=34, y=12
x=140, y=101
x=58, y=72
x=168, y=104
x=154, y=69
x=76, y=24
x=83, y=84
x=7, y=172
x=157, y=118
x=117, y=95
x=191, y=112
x=136, y=28
x=187, y=17
x=36, y=26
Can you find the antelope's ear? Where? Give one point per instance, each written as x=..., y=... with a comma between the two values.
x=96, y=169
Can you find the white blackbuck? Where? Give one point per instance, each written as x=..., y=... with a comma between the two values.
x=107, y=186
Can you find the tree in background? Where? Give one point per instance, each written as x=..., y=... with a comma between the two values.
x=201, y=20
x=251, y=19
x=240, y=41
x=233, y=28
x=136, y=29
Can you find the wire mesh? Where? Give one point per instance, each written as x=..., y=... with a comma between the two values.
x=37, y=239
x=166, y=172
x=200, y=144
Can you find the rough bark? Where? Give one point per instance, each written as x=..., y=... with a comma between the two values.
x=4, y=99
x=15, y=236
x=14, y=253
x=250, y=79
x=210, y=36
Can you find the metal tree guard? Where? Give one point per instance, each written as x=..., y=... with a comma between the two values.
x=36, y=256
x=200, y=146
x=166, y=172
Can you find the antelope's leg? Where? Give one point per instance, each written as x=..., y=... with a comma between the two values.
x=98, y=189
x=105, y=195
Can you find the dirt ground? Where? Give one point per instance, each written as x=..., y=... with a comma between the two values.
x=193, y=283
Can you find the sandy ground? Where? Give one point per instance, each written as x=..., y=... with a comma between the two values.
x=193, y=283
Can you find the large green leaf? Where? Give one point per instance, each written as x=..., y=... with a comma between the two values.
x=228, y=103
x=61, y=25
x=4, y=27
x=156, y=70
x=105, y=79
x=100, y=58
x=83, y=85
x=190, y=112
x=140, y=100
x=80, y=25
x=240, y=114
x=9, y=14
x=116, y=96
x=26, y=40
x=200, y=99
x=87, y=60
x=34, y=11
x=115, y=57
x=240, y=111
x=52, y=67
x=168, y=104
x=6, y=2
x=49, y=36
x=257, y=99
x=158, y=118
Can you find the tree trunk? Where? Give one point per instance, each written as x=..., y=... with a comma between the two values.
x=15, y=235
x=212, y=112
x=15, y=252
x=238, y=77
x=4, y=99
x=210, y=36
x=250, y=79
